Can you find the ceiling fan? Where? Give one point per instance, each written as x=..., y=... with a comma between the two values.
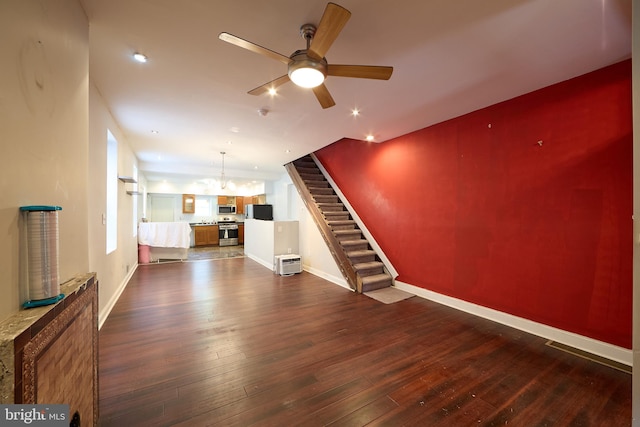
x=308, y=67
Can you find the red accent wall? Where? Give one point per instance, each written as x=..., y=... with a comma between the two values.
x=524, y=206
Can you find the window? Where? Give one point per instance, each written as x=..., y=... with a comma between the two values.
x=203, y=206
x=135, y=202
x=112, y=193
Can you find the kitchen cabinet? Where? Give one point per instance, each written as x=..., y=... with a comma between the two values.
x=241, y=234
x=188, y=203
x=206, y=235
x=239, y=205
x=259, y=199
x=227, y=200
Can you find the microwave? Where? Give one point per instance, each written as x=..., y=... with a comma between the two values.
x=226, y=209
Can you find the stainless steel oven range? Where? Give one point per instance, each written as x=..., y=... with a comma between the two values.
x=228, y=232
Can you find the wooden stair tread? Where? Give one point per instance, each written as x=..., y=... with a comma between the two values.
x=341, y=222
x=326, y=198
x=368, y=265
x=316, y=184
x=334, y=207
x=359, y=253
x=349, y=231
x=377, y=281
x=336, y=215
x=354, y=242
x=325, y=191
x=376, y=278
x=350, y=245
x=308, y=170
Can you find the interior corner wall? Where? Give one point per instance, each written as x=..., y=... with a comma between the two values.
x=522, y=207
x=44, y=78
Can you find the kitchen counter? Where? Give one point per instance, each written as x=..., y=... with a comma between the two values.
x=164, y=234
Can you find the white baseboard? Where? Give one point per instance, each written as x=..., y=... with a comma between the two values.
x=340, y=281
x=590, y=345
x=260, y=261
x=333, y=279
x=104, y=313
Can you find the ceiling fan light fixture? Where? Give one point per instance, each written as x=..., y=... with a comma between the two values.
x=223, y=181
x=306, y=72
x=306, y=77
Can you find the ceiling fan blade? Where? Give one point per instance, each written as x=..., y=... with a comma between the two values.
x=271, y=85
x=333, y=20
x=360, y=71
x=230, y=38
x=323, y=95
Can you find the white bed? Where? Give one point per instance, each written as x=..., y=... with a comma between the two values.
x=165, y=240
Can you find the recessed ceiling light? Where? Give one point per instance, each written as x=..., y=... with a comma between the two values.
x=355, y=112
x=272, y=91
x=370, y=138
x=256, y=168
x=140, y=57
x=235, y=129
x=229, y=142
x=287, y=151
x=155, y=132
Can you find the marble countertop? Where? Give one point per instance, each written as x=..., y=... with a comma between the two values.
x=17, y=328
x=17, y=323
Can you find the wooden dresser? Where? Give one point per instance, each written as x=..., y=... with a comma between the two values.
x=49, y=354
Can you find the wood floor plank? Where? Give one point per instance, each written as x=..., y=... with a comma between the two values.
x=227, y=342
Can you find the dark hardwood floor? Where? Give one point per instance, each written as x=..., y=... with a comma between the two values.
x=228, y=343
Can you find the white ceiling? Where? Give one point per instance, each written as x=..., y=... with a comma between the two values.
x=449, y=58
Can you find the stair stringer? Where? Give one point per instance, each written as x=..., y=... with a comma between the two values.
x=388, y=266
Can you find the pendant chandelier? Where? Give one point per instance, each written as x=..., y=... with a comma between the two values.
x=223, y=182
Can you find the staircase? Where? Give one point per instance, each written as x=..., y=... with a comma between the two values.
x=360, y=264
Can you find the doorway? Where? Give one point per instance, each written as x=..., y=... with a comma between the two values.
x=162, y=208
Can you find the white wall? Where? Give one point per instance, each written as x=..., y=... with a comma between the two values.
x=279, y=198
x=316, y=258
x=113, y=270
x=266, y=239
x=44, y=93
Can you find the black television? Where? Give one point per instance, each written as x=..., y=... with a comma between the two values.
x=263, y=212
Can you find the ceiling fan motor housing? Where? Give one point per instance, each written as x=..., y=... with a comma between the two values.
x=300, y=61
